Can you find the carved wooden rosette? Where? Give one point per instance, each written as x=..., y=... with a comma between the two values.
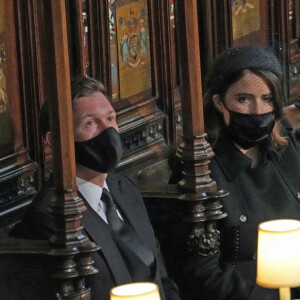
x=203, y=199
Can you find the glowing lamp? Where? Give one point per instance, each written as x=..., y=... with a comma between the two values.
x=278, y=256
x=135, y=291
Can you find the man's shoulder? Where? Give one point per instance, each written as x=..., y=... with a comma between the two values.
x=42, y=198
x=37, y=222
x=117, y=178
x=123, y=183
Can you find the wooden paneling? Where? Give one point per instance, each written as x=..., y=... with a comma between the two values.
x=150, y=121
x=261, y=35
x=215, y=30
x=17, y=170
x=294, y=35
x=269, y=23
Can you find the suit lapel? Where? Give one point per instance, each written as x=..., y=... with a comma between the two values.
x=134, y=212
x=101, y=235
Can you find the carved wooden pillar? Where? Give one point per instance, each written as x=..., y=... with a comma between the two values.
x=58, y=267
x=203, y=198
x=69, y=243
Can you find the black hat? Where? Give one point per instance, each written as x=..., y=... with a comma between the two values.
x=240, y=58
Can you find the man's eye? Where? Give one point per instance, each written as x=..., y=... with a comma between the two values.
x=111, y=119
x=89, y=123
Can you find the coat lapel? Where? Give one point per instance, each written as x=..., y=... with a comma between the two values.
x=101, y=235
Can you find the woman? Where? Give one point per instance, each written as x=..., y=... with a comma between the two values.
x=256, y=161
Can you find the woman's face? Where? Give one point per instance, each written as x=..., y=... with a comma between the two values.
x=248, y=95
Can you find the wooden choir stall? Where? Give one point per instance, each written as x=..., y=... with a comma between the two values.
x=157, y=93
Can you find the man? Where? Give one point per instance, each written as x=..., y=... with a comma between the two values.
x=98, y=150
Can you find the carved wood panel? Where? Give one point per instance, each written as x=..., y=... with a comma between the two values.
x=294, y=35
x=251, y=22
x=149, y=117
x=18, y=169
x=130, y=46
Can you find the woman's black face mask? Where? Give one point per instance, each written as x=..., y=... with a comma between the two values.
x=101, y=153
x=249, y=130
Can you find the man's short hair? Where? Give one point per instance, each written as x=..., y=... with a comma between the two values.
x=81, y=86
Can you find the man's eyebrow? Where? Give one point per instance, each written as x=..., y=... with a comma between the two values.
x=88, y=115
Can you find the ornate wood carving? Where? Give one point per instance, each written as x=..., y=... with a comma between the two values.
x=200, y=190
x=279, y=37
x=79, y=18
x=196, y=201
x=16, y=187
x=18, y=167
x=295, y=69
x=215, y=34
x=67, y=208
x=294, y=34
x=142, y=142
x=70, y=249
x=144, y=136
x=296, y=19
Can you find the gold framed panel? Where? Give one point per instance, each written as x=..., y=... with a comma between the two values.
x=129, y=48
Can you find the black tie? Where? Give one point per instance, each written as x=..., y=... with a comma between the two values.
x=128, y=238
x=113, y=219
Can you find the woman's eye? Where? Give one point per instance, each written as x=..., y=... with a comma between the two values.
x=242, y=99
x=268, y=99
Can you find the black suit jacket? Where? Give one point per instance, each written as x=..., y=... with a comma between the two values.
x=38, y=224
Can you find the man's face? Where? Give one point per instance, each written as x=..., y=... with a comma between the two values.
x=92, y=115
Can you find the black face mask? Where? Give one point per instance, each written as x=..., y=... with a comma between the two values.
x=101, y=153
x=249, y=130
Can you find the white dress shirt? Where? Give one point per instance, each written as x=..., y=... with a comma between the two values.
x=92, y=193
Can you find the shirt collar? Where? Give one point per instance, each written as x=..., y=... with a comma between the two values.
x=91, y=192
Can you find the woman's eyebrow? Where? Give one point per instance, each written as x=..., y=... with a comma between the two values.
x=243, y=94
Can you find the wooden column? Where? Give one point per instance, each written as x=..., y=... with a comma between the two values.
x=68, y=241
x=200, y=191
x=56, y=268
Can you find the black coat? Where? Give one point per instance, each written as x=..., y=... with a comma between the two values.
x=38, y=224
x=269, y=191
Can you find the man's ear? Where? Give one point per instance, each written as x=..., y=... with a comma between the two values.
x=48, y=138
x=218, y=103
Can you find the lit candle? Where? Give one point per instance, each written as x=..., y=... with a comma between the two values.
x=278, y=255
x=135, y=291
